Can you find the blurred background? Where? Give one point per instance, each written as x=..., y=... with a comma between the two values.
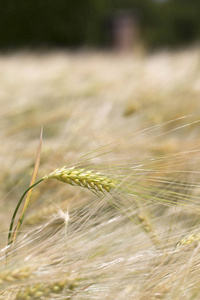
x=99, y=23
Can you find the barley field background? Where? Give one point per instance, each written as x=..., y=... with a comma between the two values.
x=134, y=118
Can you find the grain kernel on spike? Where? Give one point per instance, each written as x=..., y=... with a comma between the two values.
x=80, y=177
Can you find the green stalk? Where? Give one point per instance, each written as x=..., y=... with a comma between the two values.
x=22, y=215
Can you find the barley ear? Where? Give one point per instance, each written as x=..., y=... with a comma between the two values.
x=94, y=181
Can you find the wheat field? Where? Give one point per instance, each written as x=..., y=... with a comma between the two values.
x=127, y=129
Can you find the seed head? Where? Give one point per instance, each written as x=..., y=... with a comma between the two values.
x=83, y=178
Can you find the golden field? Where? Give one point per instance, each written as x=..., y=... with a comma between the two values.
x=134, y=118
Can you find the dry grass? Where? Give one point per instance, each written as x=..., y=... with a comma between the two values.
x=139, y=240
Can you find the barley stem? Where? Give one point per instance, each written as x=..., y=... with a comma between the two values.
x=10, y=234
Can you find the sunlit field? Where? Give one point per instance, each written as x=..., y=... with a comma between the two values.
x=130, y=119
